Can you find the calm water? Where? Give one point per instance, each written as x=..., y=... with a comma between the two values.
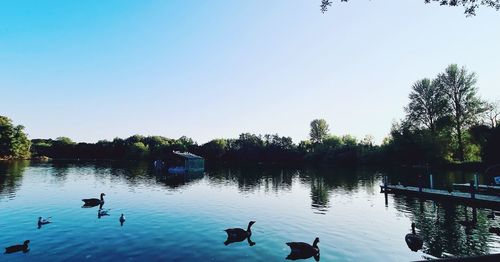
x=174, y=220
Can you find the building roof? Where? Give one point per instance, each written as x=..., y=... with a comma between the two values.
x=187, y=155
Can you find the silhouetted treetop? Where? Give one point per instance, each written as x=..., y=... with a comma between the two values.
x=469, y=5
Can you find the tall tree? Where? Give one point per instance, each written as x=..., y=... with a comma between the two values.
x=319, y=130
x=469, y=5
x=459, y=86
x=427, y=104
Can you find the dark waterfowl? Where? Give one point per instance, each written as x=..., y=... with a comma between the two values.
x=239, y=234
x=414, y=241
x=43, y=221
x=492, y=215
x=122, y=219
x=301, y=250
x=92, y=202
x=102, y=212
x=17, y=248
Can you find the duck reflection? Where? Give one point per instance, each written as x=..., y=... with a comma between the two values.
x=91, y=206
x=239, y=234
x=301, y=250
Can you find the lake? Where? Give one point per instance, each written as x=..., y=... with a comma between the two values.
x=173, y=219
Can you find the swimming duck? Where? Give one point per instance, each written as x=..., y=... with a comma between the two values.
x=43, y=221
x=414, y=241
x=492, y=215
x=17, y=248
x=122, y=219
x=301, y=250
x=102, y=212
x=94, y=201
x=239, y=234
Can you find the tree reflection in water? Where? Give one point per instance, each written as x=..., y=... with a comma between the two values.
x=320, y=195
x=11, y=174
x=446, y=227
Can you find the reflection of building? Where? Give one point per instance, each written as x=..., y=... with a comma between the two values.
x=192, y=163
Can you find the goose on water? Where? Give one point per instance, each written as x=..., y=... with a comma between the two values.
x=92, y=202
x=301, y=250
x=414, y=241
x=17, y=248
x=239, y=234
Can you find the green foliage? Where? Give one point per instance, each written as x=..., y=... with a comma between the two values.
x=319, y=130
x=465, y=107
x=427, y=105
x=14, y=143
x=138, y=150
x=470, y=5
x=216, y=148
x=65, y=140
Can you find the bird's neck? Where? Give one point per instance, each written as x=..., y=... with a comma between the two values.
x=315, y=244
x=413, y=230
x=248, y=228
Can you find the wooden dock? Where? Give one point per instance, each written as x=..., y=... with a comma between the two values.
x=436, y=194
x=483, y=258
x=481, y=188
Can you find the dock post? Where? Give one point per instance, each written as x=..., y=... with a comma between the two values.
x=386, y=199
x=476, y=181
x=431, y=182
x=420, y=182
x=385, y=184
x=472, y=190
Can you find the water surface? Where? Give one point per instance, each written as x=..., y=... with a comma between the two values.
x=183, y=220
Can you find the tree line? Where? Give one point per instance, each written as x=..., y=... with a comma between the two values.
x=445, y=122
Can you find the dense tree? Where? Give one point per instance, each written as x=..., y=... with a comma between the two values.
x=464, y=105
x=427, y=104
x=470, y=5
x=14, y=143
x=409, y=146
x=319, y=130
x=215, y=149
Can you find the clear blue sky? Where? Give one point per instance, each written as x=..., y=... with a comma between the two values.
x=94, y=69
